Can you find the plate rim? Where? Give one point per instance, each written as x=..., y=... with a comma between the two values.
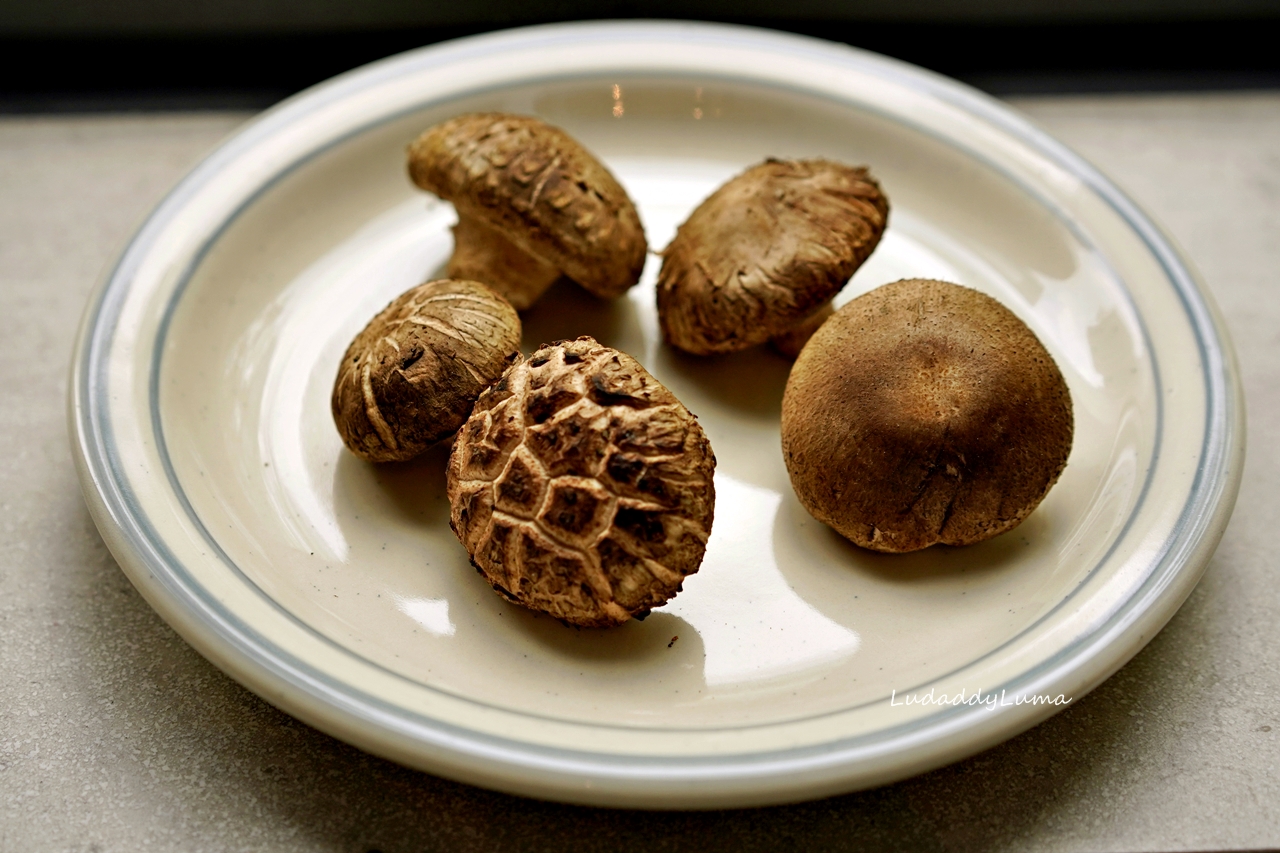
x=597, y=777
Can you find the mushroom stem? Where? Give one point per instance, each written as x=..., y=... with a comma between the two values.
x=483, y=254
x=790, y=342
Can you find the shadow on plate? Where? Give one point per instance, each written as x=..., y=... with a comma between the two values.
x=750, y=381
x=796, y=533
x=412, y=491
x=660, y=637
x=566, y=311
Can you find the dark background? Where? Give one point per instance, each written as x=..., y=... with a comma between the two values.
x=78, y=55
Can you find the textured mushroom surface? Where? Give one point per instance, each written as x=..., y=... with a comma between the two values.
x=765, y=251
x=410, y=378
x=581, y=486
x=924, y=412
x=532, y=203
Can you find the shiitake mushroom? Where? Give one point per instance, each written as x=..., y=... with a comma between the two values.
x=411, y=376
x=924, y=412
x=581, y=487
x=533, y=204
x=762, y=256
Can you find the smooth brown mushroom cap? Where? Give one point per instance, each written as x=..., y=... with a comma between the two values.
x=764, y=251
x=545, y=192
x=581, y=486
x=924, y=412
x=410, y=378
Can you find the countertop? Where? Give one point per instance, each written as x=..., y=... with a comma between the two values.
x=116, y=735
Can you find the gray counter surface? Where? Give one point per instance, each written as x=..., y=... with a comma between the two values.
x=115, y=735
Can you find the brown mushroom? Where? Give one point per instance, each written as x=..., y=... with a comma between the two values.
x=532, y=204
x=924, y=412
x=410, y=378
x=581, y=487
x=765, y=252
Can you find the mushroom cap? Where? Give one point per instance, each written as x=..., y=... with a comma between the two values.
x=924, y=412
x=764, y=251
x=410, y=378
x=581, y=486
x=541, y=189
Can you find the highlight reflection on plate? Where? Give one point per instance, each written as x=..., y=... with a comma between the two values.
x=753, y=625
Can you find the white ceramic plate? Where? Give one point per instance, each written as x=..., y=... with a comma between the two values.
x=788, y=666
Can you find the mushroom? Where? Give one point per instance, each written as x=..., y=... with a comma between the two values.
x=924, y=412
x=581, y=487
x=532, y=204
x=766, y=252
x=410, y=378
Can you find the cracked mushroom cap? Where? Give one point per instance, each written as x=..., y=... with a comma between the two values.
x=765, y=251
x=581, y=486
x=410, y=378
x=924, y=412
x=541, y=191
